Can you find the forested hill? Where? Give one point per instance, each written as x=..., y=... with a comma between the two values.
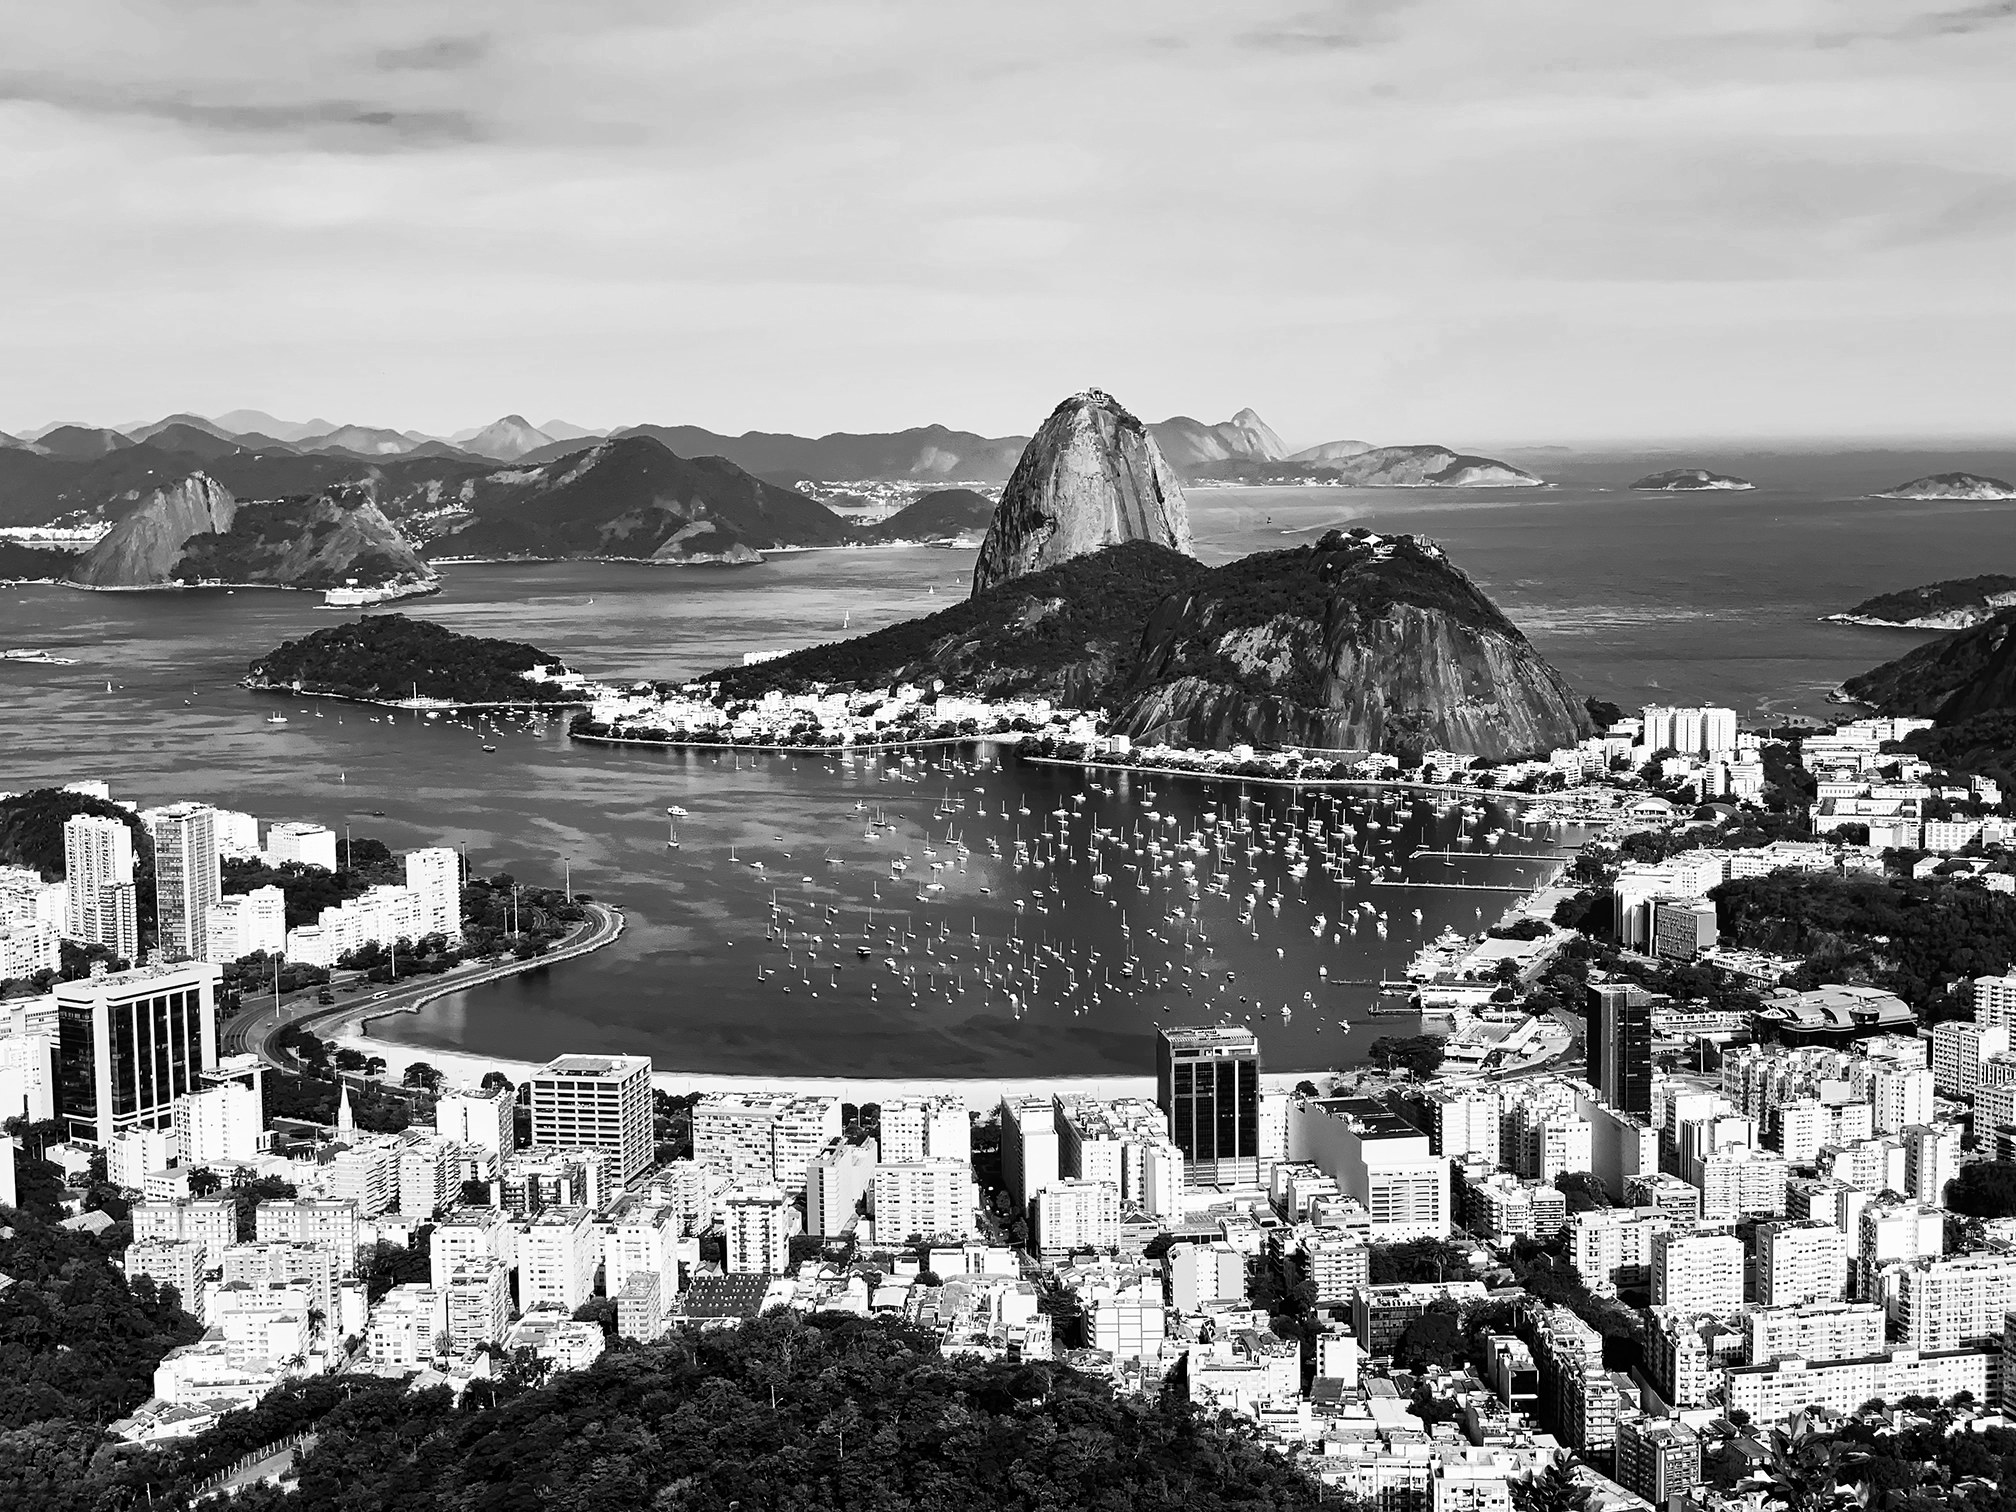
x=784, y=1414
x=389, y=657
x=31, y=829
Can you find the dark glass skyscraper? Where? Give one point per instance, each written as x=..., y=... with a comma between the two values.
x=1620, y=1046
x=129, y=1043
x=1208, y=1082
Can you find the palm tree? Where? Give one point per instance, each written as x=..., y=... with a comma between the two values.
x=1802, y=1471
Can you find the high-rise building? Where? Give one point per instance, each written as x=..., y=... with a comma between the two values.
x=1800, y=1262
x=1697, y=1272
x=1379, y=1160
x=1994, y=1000
x=558, y=1252
x=1954, y=1302
x=931, y=1198
x=302, y=845
x=1900, y=1096
x=246, y=924
x=1658, y=1458
x=1075, y=1215
x=129, y=1043
x=1931, y=1159
x=642, y=1239
x=596, y=1100
x=99, y=905
x=1815, y=1331
x=757, y=1225
x=1620, y=1037
x=763, y=1138
x=835, y=1183
x=329, y=1223
x=1030, y=1155
x=218, y=1124
x=188, y=877
x=434, y=877
x=180, y=1263
x=213, y=1221
x=485, y=1118
x=314, y=1269
x=478, y=1296
x=924, y=1128
x=1208, y=1081
x=1958, y=1049
x=1613, y=1246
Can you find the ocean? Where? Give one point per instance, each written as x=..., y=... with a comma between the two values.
x=1635, y=597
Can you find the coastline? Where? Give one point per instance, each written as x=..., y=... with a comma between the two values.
x=438, y=707
x=829, y=751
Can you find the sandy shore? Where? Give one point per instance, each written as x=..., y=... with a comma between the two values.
x=980, y=1094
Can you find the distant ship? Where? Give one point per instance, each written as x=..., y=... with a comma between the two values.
x=276, y=719
x=39, y=658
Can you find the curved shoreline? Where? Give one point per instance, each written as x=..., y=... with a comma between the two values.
x=777, y=750
x=443, y=707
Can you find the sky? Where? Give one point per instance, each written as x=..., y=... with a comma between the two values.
x=1399, y=221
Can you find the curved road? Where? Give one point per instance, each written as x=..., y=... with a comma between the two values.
x=252, y=1030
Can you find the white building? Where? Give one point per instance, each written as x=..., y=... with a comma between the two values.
x=180, y=1263
x=1948, y=1303
x=1958, y=1049
x=836, y=1183
x=763, y=1138
x=931, y=1198
x=757, y=1223
x=302, y=844
x=558, y=1253
x=472, y=1116
x=1073, y=1215
x=1610, y=1247
x=1379, y=1160
x=246, y=924
x=434, y=877
x=218, y=1124
x=1816, y=1331
x=602, y=1101
x=477, y=1303
x=1697, y=1272
x=1770, y=1393
x=924, y=1128
x=1203, y=1273
x=1800, y=1262
x=406, y=1324
x=1030, y=1154
x=99, y=904
x=188, y=877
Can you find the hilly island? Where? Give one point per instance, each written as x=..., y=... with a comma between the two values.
x=390, y=659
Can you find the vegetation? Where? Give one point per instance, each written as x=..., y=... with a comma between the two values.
x=31, y=832
x=388, y=656
x=308, y=541
x=1986, y=1189
x=360, y=864
x=1420, y=1054
x=936, y=516
x=1982, y=744
x=33, y=564
x=1954, y=594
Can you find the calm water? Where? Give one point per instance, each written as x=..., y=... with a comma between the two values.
x=1713, y=597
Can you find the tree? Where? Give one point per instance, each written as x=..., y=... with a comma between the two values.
x=1420, y=1054
x=1986, y=1189
x=204, y=1182
x=494, y=1081
x=1584, y=1190
x=1802, y=1473
x=1554, y=1489
x=1433, y=1339
x=423, y=1076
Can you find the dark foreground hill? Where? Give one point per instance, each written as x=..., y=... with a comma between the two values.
x=389, y=657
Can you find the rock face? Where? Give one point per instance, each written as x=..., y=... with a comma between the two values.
x=1953, y=485
x=1090, y=478
x=1688, y=480
x=196, y=532
x=143, y=548
x=1360, y=643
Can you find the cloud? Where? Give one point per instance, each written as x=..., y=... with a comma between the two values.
x=437, y=53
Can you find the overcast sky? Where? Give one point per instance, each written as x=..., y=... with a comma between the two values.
x=1463, y=221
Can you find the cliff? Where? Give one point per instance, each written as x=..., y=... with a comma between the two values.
x=1951, y=485
x=1090, y=478
x=1951, y=605
x=1360, y=642
x=1688, y=480
x=143, y=549
x=311, y=541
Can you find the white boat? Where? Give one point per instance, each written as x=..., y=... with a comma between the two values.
x=276, y=719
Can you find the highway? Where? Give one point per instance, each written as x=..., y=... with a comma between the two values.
x=253, y=1028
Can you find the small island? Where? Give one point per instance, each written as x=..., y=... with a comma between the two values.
x=412, y=663
x=1689, y=480
x=1954, y=604
x=1951, y=485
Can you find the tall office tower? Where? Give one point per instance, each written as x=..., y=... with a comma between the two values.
x=434, y=876
x=187, y=876
x=1208, y=1081
x=1620, y=1040
x=98, y=862
x=757, y=1225
x=128, y=1043
x=1029, y=1147
x=603, y=1101
x=471, y=1116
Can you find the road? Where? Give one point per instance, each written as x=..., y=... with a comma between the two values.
x=253, y=1029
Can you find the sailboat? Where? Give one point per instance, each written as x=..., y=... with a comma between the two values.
x=673, y=842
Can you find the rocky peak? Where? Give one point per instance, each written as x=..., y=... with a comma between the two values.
x=1091, y=477
x=144, y=547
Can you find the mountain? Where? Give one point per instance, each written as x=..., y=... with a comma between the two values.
x=184, y=422
x=1951, y=485
x=196, y=531
x=1068, y=633
x=1244, y=438
x=1953, y=678
x=363, y=440
x=239, y=421
x=1376, y=467
x=942, y=515
x=14, y=441
x=1091, y=477
x=1689, y=480
x=387, y=656
x=633, y=498
x=929, y=451
x=1331, y=451
x=1360, y=642
x=562, y=430
x=80, y=443
x=192, y=441
x=506, y=439
x=1952, y=605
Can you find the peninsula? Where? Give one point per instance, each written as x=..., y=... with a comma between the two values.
x=1953, y=604
x=390, y=659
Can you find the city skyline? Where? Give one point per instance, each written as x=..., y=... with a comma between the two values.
x=1719, y=222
